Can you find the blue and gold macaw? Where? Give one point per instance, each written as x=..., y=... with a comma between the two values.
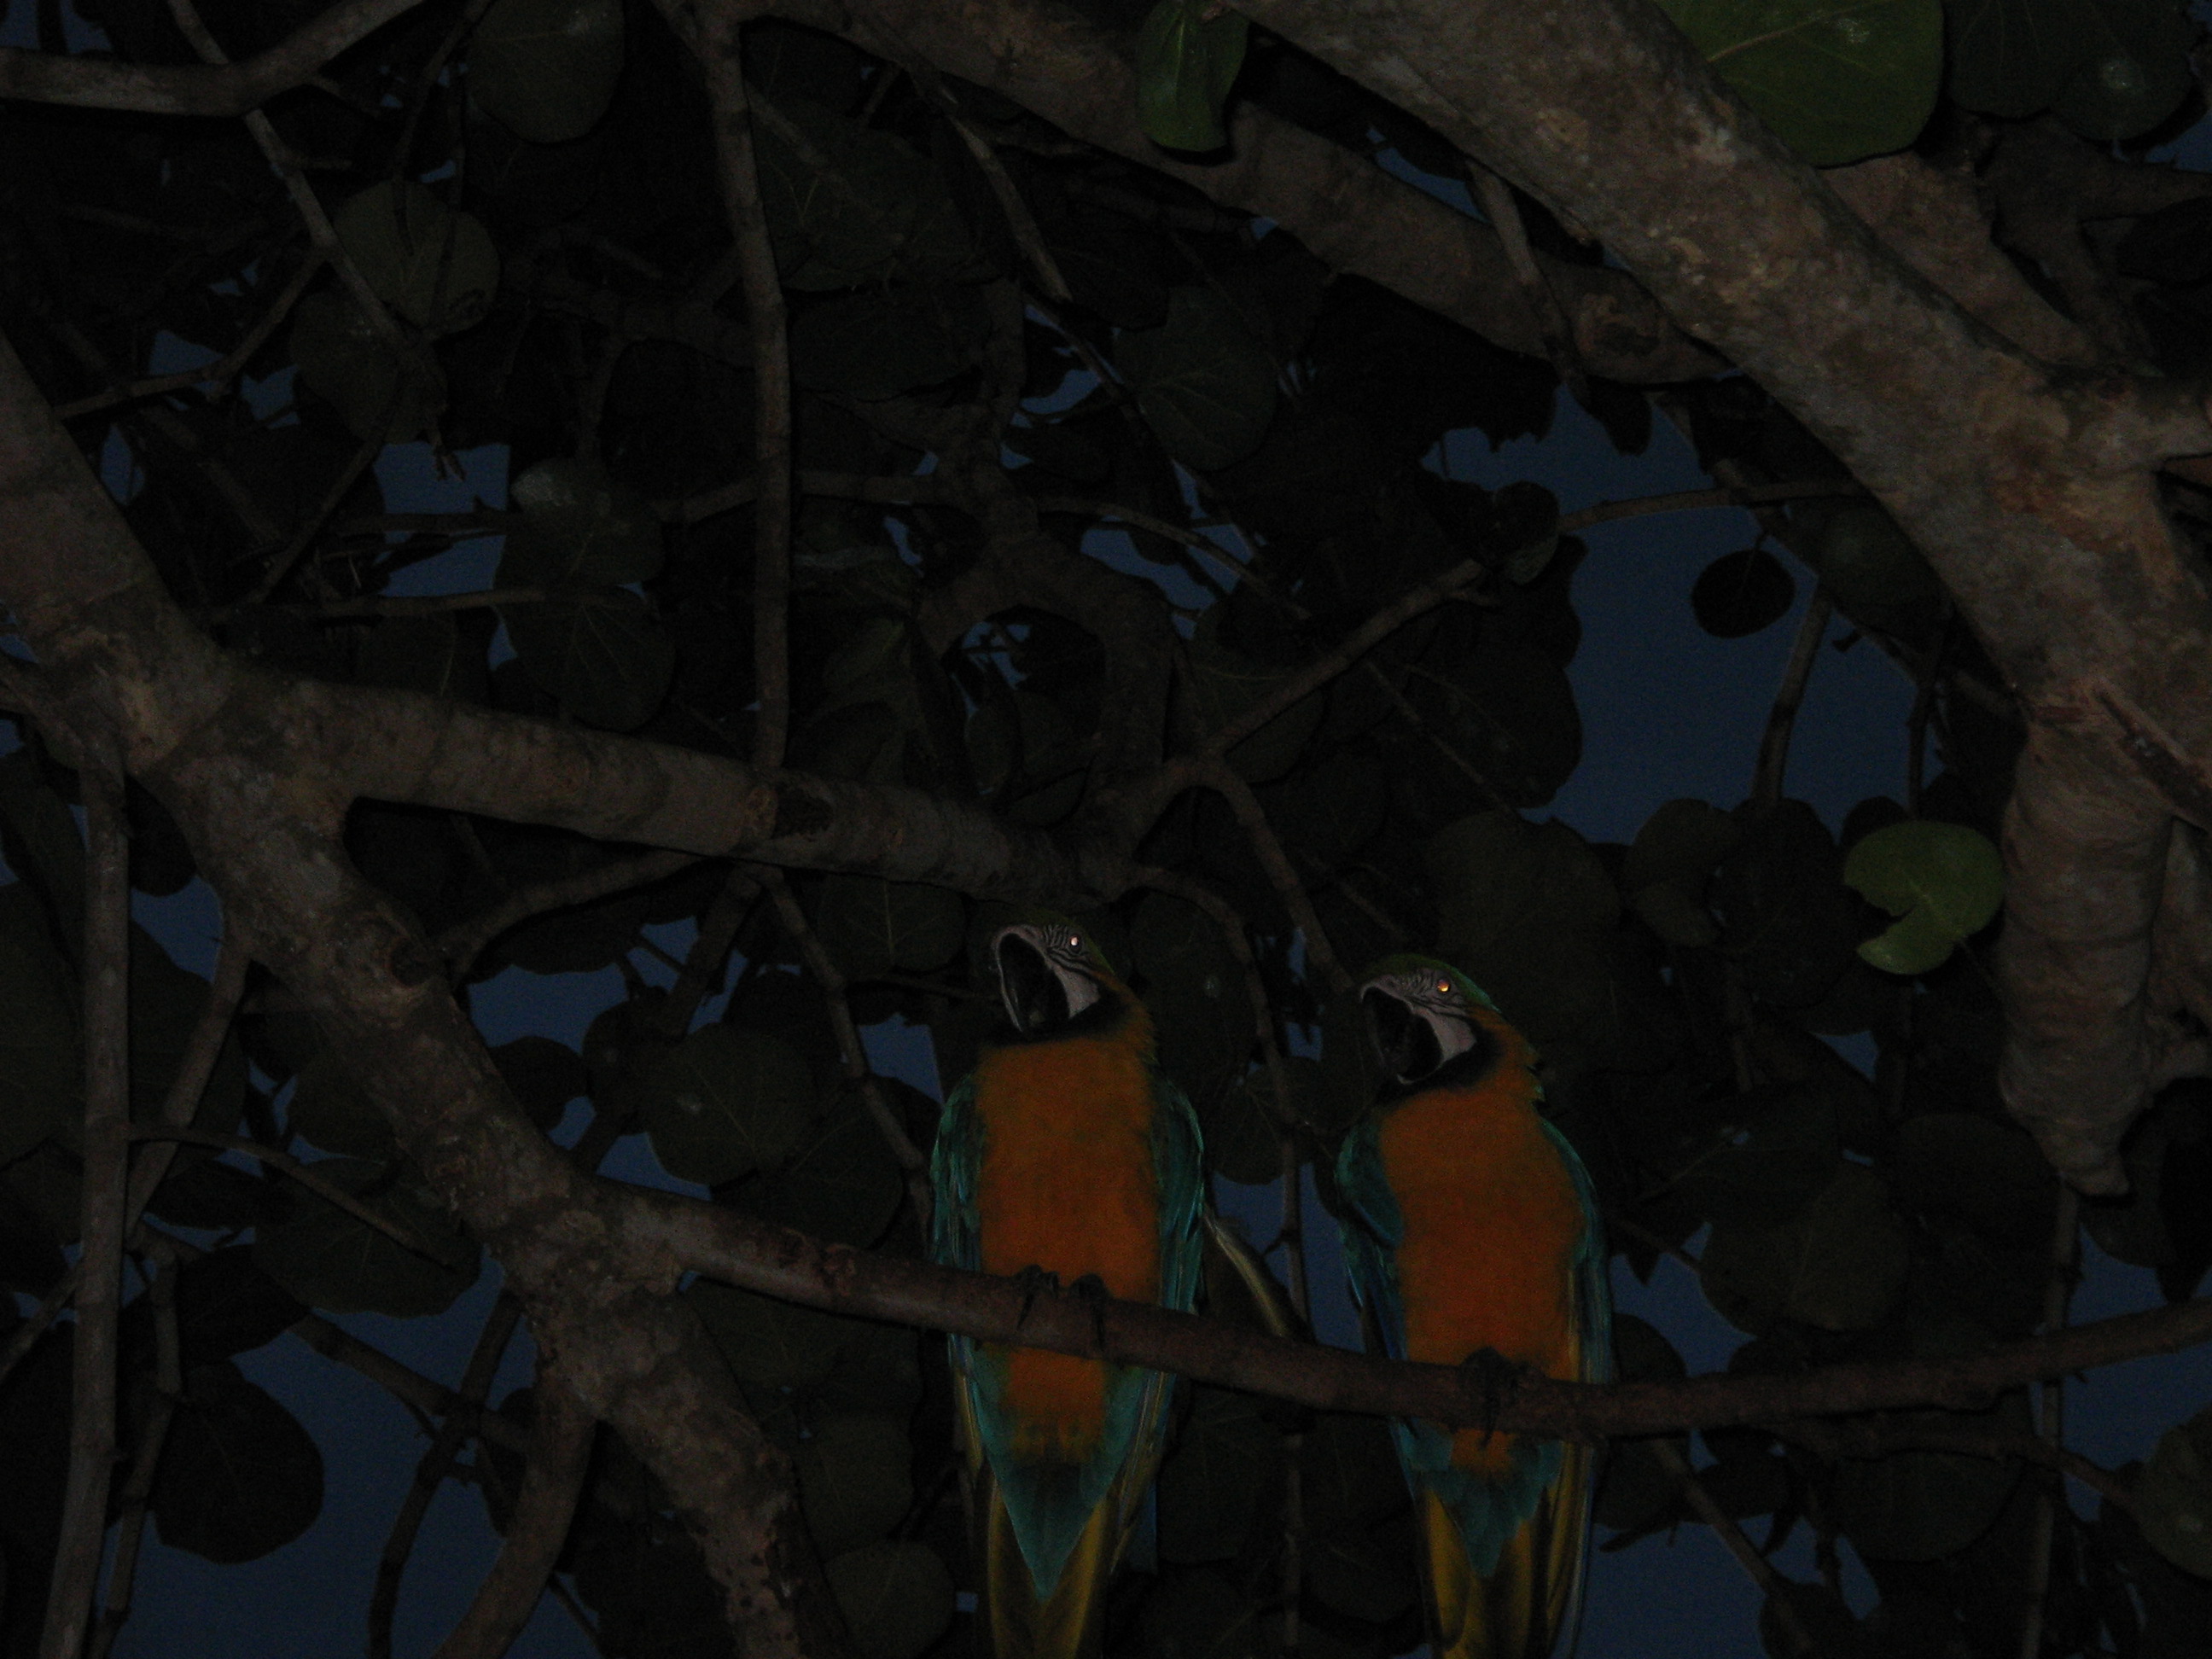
x=1067, y=1152
x=1469, y=1223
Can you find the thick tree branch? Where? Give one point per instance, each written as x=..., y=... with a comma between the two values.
x=1352, y=215
x=163, y=90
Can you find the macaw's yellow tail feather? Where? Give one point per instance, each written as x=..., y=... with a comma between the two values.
x=1071, y=1623
x=1520, y=1607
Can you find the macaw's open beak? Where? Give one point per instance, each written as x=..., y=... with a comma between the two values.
x=1035, y=1000
x=1406, y=1041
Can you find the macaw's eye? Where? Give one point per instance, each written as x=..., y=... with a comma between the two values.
x=1443, y=988
x=1075, y=941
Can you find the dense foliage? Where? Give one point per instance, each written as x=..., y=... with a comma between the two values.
x=1084, y=348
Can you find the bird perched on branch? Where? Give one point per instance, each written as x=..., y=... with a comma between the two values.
x=1470, y=1225
x=1067, y=1157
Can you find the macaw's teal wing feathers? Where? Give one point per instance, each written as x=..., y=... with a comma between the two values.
x=1067, y=1154
x=1469, y=1225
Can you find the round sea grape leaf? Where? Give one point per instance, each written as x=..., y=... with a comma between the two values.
x=40, y=1090
x=437, y=268
x=1188, y=56
x=1986, y=1172
x=1739, y=593
x=332, y=1262
x=1244, y=1127
x=1879, y=578
x=1224, y=683
x=606, y=660
x=871, y=927
x=855, y=1479
x=875, y=344
x=1837, y=80
x=1210, y=1483
x=347, y=363
x=841, y=1184
x=1919, y=1505
x=1204, y=383
x=1330, y=811
x=545, y=1076
x=1667, y=868
x=547, y=69
x=1772, y=1155
x=2173, y=1499
x=2134, y=75
x=1838, y=1264
x=726, y=1101
x=1785, y=914
x=329, y=1110
x=774, y=1345
x=892, y=213
x=1348, y=1471
x=579, y=529
x=1642, y=1353
x=199, y=1192
x=1199, y=1614
x=1509, y=711
x=2013, y=57
x=226, y=1305
x=878, y=1369
x=423, y=654
x=1945, y=883
x=1637, y=1489
x=1365, y=1572
x=896, y=1598
x=239, y=1478
x=165, y=1001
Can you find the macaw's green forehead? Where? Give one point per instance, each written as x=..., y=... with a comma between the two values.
x=1406, y=965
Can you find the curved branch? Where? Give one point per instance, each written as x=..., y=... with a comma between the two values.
x=758, y=1255
x=179, y=90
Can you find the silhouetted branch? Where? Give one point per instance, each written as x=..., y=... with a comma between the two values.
x=463, y=943
x=163, y=90
x=106, y=1196
x=1782, y=718
x=561, y=1435
x=328, y=1191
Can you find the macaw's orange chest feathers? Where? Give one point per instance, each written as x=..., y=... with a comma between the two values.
x=1492, y=1226
x=1066, y=1182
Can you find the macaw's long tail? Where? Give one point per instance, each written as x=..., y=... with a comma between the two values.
x=1070, y=1622
x=1519, y=1609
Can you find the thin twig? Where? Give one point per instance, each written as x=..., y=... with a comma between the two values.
x=1253, y=818
x=106, y=1195
x=363, y=458
x=720, y=55
x=430, y=1472
x=463, y=943
x=1771, y=1584
x=153, y=1434
x=418, y=97
x=424, y=1396
x=1552, y=327
x=1020, y=222
x=328, y=1191
x=561, y=1435
x=1782, y=718
x=851, y=1054
x=196, y=1064
x=2058, y=1291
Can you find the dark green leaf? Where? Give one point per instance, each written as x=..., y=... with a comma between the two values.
x=1204, y=386
x=38, y=1085
x=238, y=1477
x=841, y=1183
x=329, y=1109
x=1919, y=1505
x=1838, y=1264
x=226, y=1305
x=579, y=529
x=1667, y=869
x=897, y=1599
x=726, y=1101
x=547, y=68
x=347, y=363
x=1187, y=61
x=882, y=208
x=329, y=1260
x=877, y=344
x=1787, y=916
x=436, y=268
x=1739, y=593
x=1225, y=1458
x=1836, y=81
x=2135, y=73
x=775, y=1345
x=1986, y=1172
x=607, y=661
x=854, y=1481
x=2173, y=1500
x=871, y=927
